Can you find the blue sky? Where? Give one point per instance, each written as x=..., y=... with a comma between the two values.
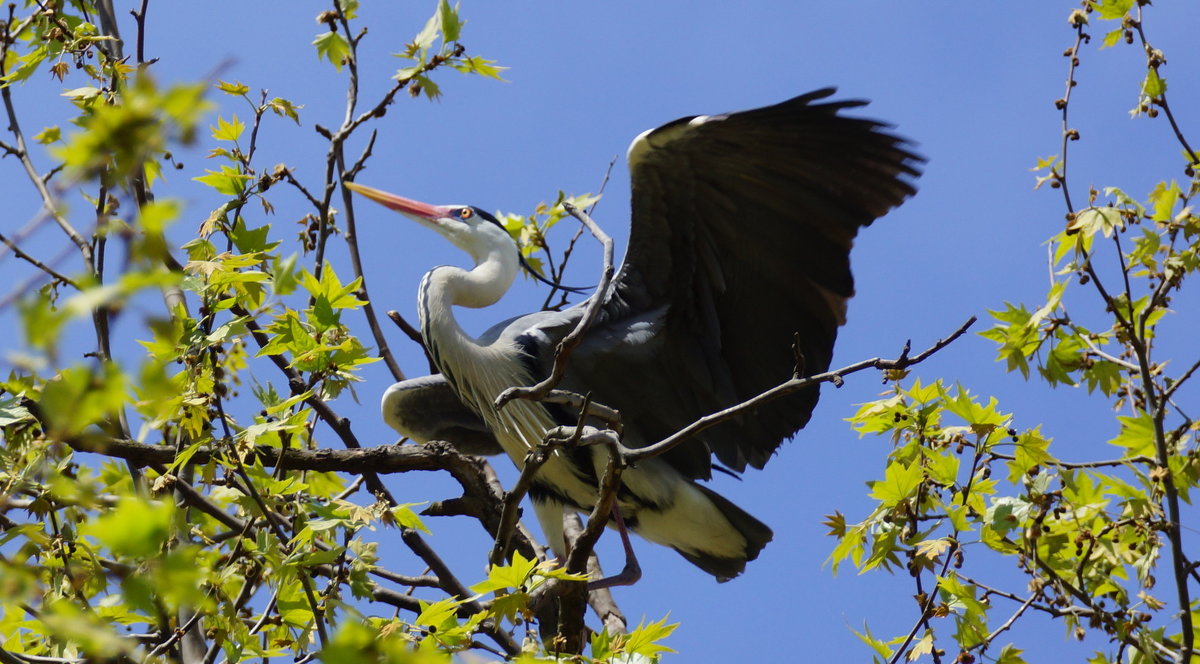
x=972, y=84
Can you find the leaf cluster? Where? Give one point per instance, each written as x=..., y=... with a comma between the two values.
x=1098, y=542
x=238, y=343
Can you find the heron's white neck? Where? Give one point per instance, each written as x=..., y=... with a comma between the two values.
x=446, y=286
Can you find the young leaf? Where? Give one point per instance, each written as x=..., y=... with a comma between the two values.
x=228, y=131
x=333, y=47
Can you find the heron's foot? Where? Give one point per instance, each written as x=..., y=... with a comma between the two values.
x=632, y=571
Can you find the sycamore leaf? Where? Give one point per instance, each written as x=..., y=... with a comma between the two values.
x=136, y=527
x=1154, y=86
x=48, y=135
x=507, y=576
x=427, y=35
x=477, y=65
x=235, y=89
x=228, y=131
x=405, y=517
x=881, y=647
x=1112, y=9
x=1112, y=37
x=1093, y=219
x=1163, y=200
x=899, y=482
x=922, y=646
x=1007, y=513
x=1137, y=435
x=285, y=108
x=228, y=181
x=450, y=23
x=1010, y=654
x=333, y=47
x=437, y=613
x=11, y=412
x=644, y=640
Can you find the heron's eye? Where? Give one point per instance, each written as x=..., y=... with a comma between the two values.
x=465, y=213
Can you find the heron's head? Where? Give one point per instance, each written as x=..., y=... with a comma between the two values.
x=471, y=229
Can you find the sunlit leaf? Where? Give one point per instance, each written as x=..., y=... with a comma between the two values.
x=332, y=46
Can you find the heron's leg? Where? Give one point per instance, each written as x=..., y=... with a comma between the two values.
x=632, y=570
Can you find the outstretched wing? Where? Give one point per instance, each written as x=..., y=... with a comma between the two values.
x=741, y=234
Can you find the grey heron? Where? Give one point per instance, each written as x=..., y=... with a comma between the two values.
x=742, y=225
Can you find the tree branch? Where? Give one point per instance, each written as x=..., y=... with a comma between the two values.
x=632, y=456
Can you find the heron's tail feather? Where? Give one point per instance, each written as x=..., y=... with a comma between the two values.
x=703, y=526
x=755, y=532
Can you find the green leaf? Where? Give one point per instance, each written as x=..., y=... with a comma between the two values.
x=437, y=613
x=899, y=482
x=1163, y=200
x=644, y=640
x=333, y=47
x=11, y=412
x=1154, y=86
x=1137, y=435
x=1112, y=9
x=450, y=23
x=285, y=108
x=283, y=274
x=405, y=517
x=981, y=419
x=922, y=646
x=81, y=397
x=1010, y=654
x=48, y=135
x=477, y=65
x=136, y=527
x=26, y=64
x=331, y=289
x=1112, y=37
x=428, y=34
x=881, y=647
x=249, y=241
x=1007, y=513
x=228, y=131
x=1031, y=451
x=228, y=181
x=235, y=89
x=1097, y=219
x=431, y=90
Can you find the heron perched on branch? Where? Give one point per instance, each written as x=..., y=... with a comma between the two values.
x=741, y=232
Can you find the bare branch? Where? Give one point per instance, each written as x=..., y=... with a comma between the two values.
x=632, y=456
x=36, y=263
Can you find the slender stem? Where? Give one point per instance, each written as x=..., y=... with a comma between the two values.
x=36, y=263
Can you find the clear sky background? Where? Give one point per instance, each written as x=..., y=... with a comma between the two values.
x=971, y=83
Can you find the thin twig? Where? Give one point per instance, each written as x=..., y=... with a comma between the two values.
x=1170, y=391
x=633, y=456
x=19, y=253
x=535, y=458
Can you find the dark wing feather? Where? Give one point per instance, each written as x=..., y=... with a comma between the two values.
x=741, y=233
